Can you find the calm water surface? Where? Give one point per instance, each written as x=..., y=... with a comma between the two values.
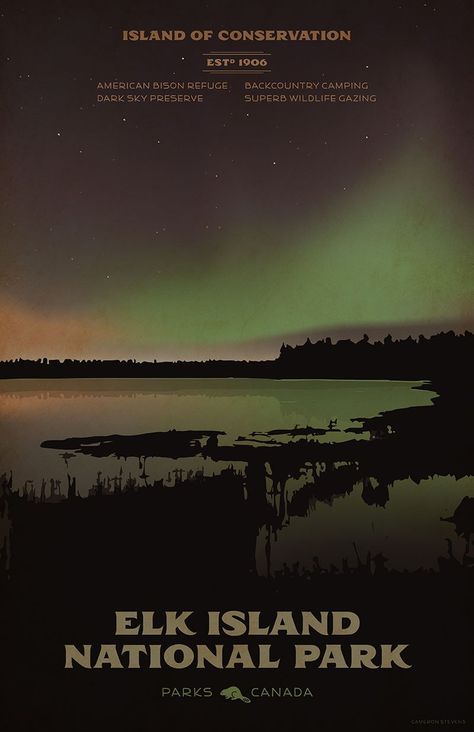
x=408, y=530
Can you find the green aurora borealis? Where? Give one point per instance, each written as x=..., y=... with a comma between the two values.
x=221, y=229
x=398, y=251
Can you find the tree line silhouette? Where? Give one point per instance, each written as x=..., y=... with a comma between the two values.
x=440, y=355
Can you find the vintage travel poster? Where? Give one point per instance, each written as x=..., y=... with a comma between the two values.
x=236, y=353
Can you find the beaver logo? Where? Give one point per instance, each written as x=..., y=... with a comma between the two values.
x=233, y=693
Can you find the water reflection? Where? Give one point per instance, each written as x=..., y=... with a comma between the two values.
x=350, y=490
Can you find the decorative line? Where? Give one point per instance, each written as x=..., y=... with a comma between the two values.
x=237, y=53
x=234, y=71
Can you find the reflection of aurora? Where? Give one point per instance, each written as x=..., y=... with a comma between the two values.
x=306, y=498
x=32, y=412
x=405, y=527
x=305, y=491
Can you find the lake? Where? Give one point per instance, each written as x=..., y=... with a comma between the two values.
x=407, y=530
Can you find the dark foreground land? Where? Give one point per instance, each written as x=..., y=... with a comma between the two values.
x=73, y=563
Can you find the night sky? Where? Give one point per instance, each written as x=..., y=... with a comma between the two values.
x=221, y=229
